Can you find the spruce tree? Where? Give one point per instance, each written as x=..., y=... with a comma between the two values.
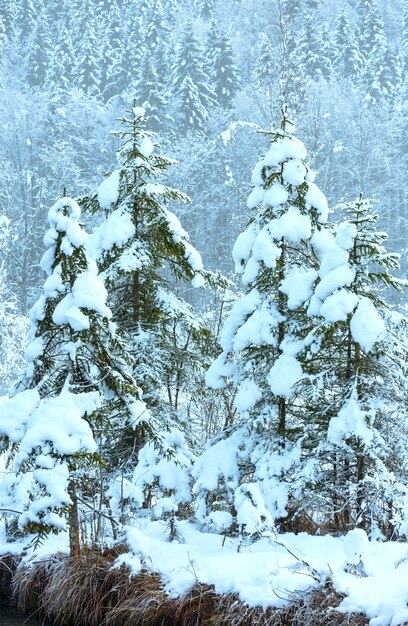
x=190, y=84
x=152, y=74
x=292, y=53
x=373, y=38
x=151, y=89
x=76, y=393
x=266, y=333
x=114, y=74
x=3, y=32
x=88, y=71
x=60, y=69
x=292, y=10
x=325, y=65
x=39, y=46
x=156, y=27
x=133, y=49
x=142, y=249
x=221, y=67
x=363, y=7
x=88, y=34
x=348, y=60
x=382, y=80
x=381, y=72
x=312, y=48
x=8, y=12
x=348, y=444
x=26, y=18
x=266, y=66
x=206, y=8
x=404, y=41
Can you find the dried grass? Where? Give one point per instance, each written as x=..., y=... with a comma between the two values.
x=8, y=566
x=89, y=592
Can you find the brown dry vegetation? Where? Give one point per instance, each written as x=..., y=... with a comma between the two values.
x=88, y=592
x=7, y=568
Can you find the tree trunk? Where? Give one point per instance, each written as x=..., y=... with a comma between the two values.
x=360, y=454
x=73, y=521
x=136, y=298
x=281, y=337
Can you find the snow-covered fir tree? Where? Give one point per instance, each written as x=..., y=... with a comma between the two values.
x=39, y=48
x=384, y=80
x=195, y=96
x=403, y=41
x=312, y=48
x=13, y=336
x=114, y=79
x=266, y=66
x=264, y=337
x=142, y=249
x=379, y=61
x=61, y=65
x=348, y=59
x=8, y=12
x=206, y=8
x=373, y=39
x=89, y=36
x=221, y=67
x=358, y=386
x=151, y=89
x=293, y=49
x=76, y=394
x=26, y=18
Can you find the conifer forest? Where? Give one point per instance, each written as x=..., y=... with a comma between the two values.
x=203, y=308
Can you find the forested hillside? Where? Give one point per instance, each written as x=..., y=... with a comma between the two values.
x=209, y=73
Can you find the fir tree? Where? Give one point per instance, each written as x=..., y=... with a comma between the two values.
x=60, y=70
x=266, y=70
x=326, y=52
x=114, y=76
x=348, y=60
x=13, y=327
x=404, y=40
x=382, y=80
x=88, y=69
x=151, y=89
x=263, y=338
x=206, y=9
x=373, y=41
x=8, y=12
x=139, y=239
x=26, y=18
x=292, y=9
x=76, y=390
x=381, y=73
x=348, y=445
x=363, y=7
x=132, y=50
x=191, y=83
x=39, y=46
x=156, y=27
x=3, y=29
x=293, y=84
x=312, y=48
x=221, y=68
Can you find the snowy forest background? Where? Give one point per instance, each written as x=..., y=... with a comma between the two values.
x=67, y=71
x=209, y=74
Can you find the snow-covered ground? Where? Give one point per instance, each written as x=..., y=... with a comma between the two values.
x=373, y=575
